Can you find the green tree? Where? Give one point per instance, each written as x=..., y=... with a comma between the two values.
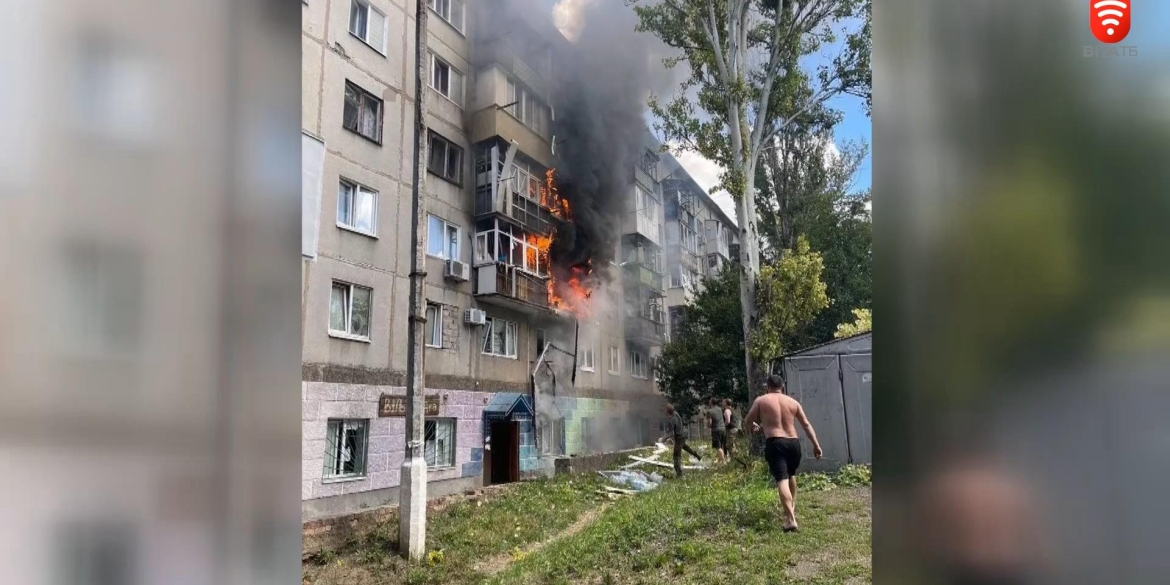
x=862, y=323
x=790, y=296
x=705, y=353
x=746, y=84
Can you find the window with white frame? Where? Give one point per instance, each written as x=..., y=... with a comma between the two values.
x=357, y=207
x=446, y=80
x=434, y=325
x=363, y=112
x=638, y=365
x=349, y=310
x=439, y=442
x=442, y=238
x=499, y=338
x=527, y=108
x=345, y=448
x=647, y=203
x=450, y=11
x=368, y=24
x=446, y=159
x=508, y=244
x=615, y=364
x=527, y=178
x=588, y=358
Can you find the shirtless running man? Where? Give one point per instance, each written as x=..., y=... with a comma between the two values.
x=775, y=413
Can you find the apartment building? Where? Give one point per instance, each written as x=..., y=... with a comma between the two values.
x=512, y=381
x=700, y=239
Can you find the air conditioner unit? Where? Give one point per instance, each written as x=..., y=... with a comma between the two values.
x=457, y=270
x=475, y=317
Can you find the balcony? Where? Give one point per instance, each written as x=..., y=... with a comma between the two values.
x=493, y=121
x=506, y=286
x=644, y=274
x=716, y=245
x=637, y=223
x=507, y=202
x=646, y=330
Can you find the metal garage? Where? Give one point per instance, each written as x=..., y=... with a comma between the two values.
x=832, y=381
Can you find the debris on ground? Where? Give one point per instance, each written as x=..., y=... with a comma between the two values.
x=636, y=480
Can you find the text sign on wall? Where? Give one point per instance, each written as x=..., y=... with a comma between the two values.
x=390, y=405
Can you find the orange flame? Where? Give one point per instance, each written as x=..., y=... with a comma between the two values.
x=551, y=198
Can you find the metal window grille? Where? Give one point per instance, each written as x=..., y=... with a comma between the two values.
x=345, y=449
x=439, y=442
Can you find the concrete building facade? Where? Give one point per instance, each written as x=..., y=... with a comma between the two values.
x=512, y=382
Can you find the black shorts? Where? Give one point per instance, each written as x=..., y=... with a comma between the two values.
x=718, y=439
x=783, y=456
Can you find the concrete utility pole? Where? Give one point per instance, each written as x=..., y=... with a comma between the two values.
x=412, y=488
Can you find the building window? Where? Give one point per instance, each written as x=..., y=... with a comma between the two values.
x=349, y=310
x=439, y=442
x=345, y=449
x=588, y=434
x=446, y=159
x=442, y=239
x=363, y=112
x=587, y=359
x=368, y=24
x=615, y=364
x=434, y=325
x=676, y=280
x=638, y=365
x=541, y=339
x=102, y=296
x=499, y=338
x=446, y=80
x=713, y=263
x=450, y=11
x=647, y=204
x=527, y=108
x=357, y=207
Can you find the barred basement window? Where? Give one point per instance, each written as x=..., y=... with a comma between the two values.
x=439, y=442
x=345, y=449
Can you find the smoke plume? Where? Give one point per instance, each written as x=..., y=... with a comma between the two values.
x=603, y=78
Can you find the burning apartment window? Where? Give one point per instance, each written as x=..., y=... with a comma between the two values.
x=499, y=338
x=368, y=24
x=527, y=108
x=363, y=112
x=446, y=159
x=638, y=365
x=587, y=358
x=345, y=448
x=349, y=310
x=357, y=207
x=450, y=11
x=615, y=364
x=446, y=80
x=442, y=238
x=434, y=325
x=439, y=442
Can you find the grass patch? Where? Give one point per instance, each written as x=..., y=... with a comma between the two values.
x=710, y=528
x=460, y=536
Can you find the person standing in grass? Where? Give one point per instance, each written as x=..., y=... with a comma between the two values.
x=733, y=425
x=718, y=425
x=678, y=431
x=776, y=414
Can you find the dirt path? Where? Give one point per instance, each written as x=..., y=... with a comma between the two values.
x=500, y=562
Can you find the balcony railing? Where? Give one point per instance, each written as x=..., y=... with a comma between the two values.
x=645, y=274
x=506, y=281
x=531, y=215
x=716, y=245
x=645, y=330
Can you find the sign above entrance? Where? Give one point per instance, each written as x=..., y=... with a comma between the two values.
x=391, y=405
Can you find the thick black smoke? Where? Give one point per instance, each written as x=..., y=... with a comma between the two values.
x=601, y=82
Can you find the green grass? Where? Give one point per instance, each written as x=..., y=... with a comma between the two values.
x=462, y=535
x=713, y=528
x=710, y=527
